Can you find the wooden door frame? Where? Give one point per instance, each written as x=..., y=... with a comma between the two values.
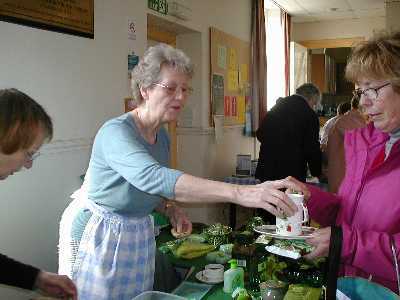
x=156, y=34
x=331, y=43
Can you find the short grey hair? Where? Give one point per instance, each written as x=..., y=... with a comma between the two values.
x=147, y=72
x=309, y=91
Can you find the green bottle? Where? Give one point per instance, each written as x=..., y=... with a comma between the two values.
x=233, y=277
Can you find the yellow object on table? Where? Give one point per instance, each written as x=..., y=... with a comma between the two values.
x=190, y=250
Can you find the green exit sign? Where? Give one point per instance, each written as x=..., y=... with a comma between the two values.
x=158, y=5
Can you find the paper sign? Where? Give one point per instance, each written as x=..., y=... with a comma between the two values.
x=234, y=107
x=241, y=109
x=131, y=30
x=243, y=74
x=221, y=59
x=218, y=94
x=227, y=106
x=232, y=59
x=232, y=80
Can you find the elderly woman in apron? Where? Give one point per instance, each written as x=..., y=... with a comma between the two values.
x=107, y=242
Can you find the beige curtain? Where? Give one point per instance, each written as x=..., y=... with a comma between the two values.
x=286, y=25
x=258, y=64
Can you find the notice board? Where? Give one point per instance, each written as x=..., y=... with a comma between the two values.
x=229, y=78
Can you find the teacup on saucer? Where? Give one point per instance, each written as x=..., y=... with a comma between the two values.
x=214, y=272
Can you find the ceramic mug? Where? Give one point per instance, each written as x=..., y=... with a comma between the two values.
x=214, y=272
x=292, y=226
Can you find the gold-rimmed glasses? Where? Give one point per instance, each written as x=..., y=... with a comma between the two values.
x=173, y=89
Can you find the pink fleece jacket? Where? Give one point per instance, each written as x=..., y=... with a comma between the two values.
x=366, y=207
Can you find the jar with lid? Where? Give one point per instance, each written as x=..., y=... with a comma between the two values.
x=273, y=290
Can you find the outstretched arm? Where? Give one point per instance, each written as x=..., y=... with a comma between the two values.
x=267, y=195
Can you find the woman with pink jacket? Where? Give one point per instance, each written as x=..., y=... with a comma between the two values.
x=366, y=209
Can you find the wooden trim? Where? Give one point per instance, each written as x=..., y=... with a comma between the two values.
x=331, y=43
x=156, y=34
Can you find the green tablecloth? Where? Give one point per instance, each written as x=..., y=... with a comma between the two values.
x=216, y=291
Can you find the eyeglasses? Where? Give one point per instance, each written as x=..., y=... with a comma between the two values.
x=31, y=156
x=370, y=93
x=173, y=90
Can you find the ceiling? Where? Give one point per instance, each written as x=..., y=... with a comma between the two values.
x=327, y=10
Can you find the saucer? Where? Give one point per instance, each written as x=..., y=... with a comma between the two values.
x=200, y=276
x=270, y=230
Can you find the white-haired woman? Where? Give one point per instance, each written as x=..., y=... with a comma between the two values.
x=111, y=246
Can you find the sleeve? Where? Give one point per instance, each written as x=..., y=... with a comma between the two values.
x=17, y=274
x=129, y=158
x=336, y=160
x=322, y=206
x=370, y=251
x=260, y=133
x=312, y=148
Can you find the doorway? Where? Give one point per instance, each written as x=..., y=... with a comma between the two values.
x=328, y=60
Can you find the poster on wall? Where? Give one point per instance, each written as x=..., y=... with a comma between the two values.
x=66, y=16
x=218, y=94
x=230, y=58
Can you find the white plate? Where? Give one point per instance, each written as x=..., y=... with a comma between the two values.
x=270, y=230
x=200, y=276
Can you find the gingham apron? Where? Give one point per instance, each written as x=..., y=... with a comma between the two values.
x=115, y=257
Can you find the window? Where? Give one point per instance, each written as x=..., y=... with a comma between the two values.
x=275, y=48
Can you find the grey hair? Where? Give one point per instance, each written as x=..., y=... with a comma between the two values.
x=310, y=91
x=147, y=72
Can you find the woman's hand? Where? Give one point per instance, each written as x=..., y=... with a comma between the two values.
x=179, y=220
x=268, y=196
x=56, y=285
x=299, y=187
x=321, y=240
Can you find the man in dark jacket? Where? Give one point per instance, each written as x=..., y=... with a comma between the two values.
x=289, y=137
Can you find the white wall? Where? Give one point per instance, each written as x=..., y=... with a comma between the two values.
x=337, y=29
x=392, y=15
x=82, y=82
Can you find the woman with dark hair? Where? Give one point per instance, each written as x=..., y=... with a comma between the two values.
x=24, y=127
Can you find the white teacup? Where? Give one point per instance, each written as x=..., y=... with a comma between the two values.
x=292, y=226
x=214, y=272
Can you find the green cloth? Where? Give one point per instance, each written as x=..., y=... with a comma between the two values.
x=160, y=219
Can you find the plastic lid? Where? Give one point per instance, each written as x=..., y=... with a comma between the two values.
x=233, y=263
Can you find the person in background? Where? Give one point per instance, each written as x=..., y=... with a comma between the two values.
x=342, y=108
x=335, y=148
x=289, y=137
x=107, y=240
x=24, y=127
x=324, y=134
x=364, y=214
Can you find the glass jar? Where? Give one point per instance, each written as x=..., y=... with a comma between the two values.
x=273, y=290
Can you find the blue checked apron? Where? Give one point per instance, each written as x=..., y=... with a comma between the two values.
x=115, y=257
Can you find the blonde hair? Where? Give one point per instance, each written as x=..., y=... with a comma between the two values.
x=147, y=72
x=378, y=59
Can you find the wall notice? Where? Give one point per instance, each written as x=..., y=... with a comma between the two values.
x=67, y=16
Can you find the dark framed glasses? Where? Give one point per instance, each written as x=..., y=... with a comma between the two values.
x=371, y=93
